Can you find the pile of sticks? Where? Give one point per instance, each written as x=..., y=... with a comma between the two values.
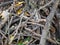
x=40, y=24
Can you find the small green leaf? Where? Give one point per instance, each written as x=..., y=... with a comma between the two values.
x=20, y=44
